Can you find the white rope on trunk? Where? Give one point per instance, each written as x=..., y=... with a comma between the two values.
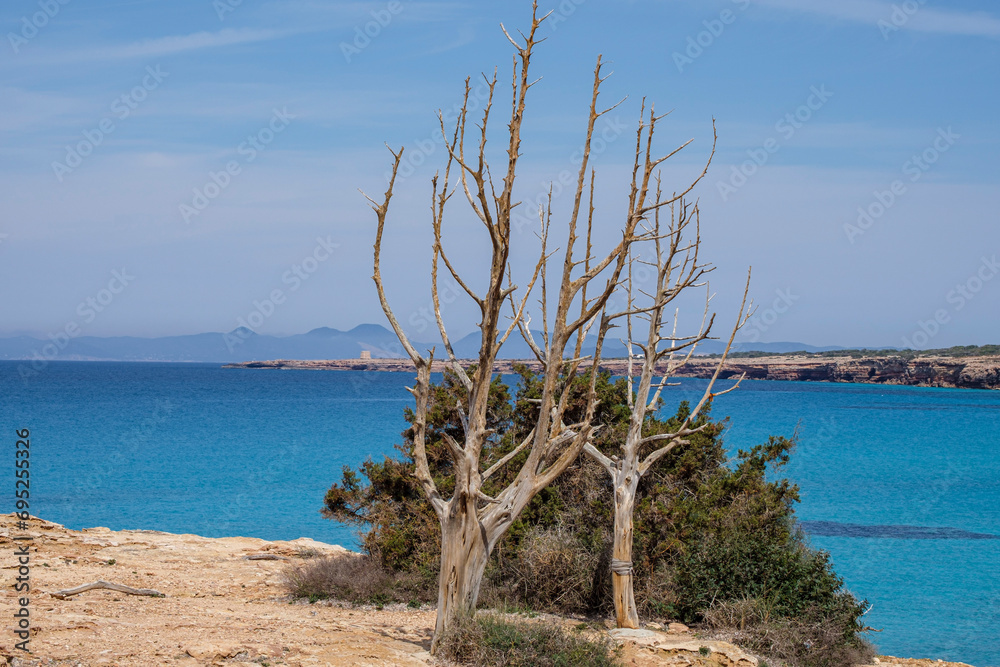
x=622, y=567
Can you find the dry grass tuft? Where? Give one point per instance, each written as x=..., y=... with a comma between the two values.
x=811, y=640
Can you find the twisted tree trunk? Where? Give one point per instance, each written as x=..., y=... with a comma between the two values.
x=464, y=554
x=626, y=615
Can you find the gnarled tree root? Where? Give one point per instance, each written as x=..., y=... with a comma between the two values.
x=121, y=588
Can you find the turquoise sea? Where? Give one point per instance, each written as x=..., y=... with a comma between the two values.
x=900, y=484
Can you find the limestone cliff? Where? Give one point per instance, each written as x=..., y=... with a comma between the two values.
x=964, y=372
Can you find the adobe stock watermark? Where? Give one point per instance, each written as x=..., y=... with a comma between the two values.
x=256, y=480
x=370, y=30
x=787, y=126
x=914, y=169
x=565, y=180
x=985, y=622
x=697, y=44
x=763, y=320
x=248, y=150
x=642, y=278
x=30, y=26
x=87, y=310
x=899, y=17
x=957, y=298
x=423, y=318
x=424, y=148
x=121, y=108
x=562, y=12
x=294, y=277
x=130, y=444
x=223, y=7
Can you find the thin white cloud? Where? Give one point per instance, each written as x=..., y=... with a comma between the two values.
x=466, y=35
x=171, y=44
x=26, y=110
x=344, y=14
x=924, y=19
x=179, y=43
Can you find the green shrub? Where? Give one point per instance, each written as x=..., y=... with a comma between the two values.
x=812, y=638
x=487, y=640
x=707, y=529
x=733, y=566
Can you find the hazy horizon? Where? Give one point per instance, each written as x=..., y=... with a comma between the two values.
x=167, y=169
x=741, y=341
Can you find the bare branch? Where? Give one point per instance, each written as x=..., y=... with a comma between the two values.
x=380, y=212
x=651, y=460
x=418, y=431
x=740, y=321
x=510, y=455
x=594, y=453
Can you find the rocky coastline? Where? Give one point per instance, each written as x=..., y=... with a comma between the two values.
x=955, y=372
x=222, y=601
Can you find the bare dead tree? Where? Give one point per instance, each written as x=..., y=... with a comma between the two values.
x=472, y=522
x=678, y=270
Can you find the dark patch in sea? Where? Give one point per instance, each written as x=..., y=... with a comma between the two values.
x=922, y=407
x=835, y=529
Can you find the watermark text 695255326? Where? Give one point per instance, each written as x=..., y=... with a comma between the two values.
x=22, y=543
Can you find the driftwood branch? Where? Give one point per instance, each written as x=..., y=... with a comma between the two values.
x=121, y=588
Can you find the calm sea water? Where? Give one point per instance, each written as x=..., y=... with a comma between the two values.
x=900, y=484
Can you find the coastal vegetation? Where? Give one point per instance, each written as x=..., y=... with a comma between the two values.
x=491, y=640
x=958, y=352
x=715, y=540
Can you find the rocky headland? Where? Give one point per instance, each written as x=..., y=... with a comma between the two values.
x=961, y=372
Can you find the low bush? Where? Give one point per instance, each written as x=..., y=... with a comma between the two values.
x=487, y=640
x=358, y=579
x=793, y=578
x=550, y=571
x=813, y=638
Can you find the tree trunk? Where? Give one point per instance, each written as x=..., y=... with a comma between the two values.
x=463, y=561
x=626, y=615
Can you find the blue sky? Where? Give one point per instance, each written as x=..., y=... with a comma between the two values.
x=280, y=111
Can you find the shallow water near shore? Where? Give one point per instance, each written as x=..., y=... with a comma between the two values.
x=900, y=484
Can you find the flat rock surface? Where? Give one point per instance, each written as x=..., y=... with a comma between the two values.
x=221, y=608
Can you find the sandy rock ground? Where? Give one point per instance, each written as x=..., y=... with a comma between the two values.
x=223, y=608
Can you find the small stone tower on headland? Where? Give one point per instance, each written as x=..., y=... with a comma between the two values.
x=366, y=354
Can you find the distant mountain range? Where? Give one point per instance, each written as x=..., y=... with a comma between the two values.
x=323, y=343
